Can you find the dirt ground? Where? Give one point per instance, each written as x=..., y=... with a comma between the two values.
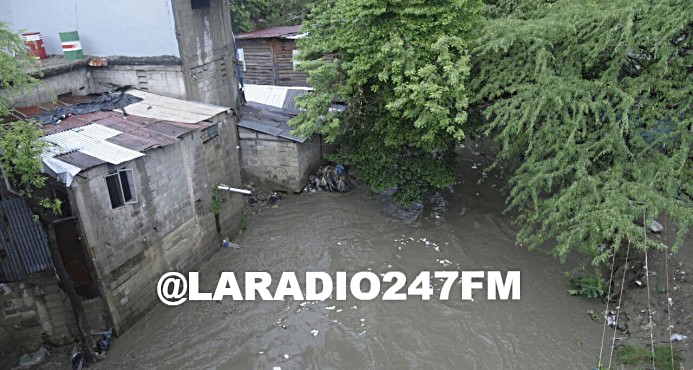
x=633, y=316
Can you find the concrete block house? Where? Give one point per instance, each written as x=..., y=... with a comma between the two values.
x=271, y=156
x=136, y=181
x=138, y=197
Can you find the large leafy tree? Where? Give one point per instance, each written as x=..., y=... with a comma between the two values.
x=401, y=67
x=248, y=15
x=594, y=97
x=20, y=161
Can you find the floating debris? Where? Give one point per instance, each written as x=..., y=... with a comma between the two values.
x=227, y=244
x=260, y=199
x=330, y=308
x=315, y=332
x=34, y=358
x=439, y=204
x=678, y=337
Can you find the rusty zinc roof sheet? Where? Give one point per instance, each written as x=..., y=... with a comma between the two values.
x=89, y=131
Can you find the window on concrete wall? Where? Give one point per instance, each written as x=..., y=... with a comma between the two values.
x=199, y=4
x=210, y=133
x=241, y=57
x=121, y=188
x=294, y=57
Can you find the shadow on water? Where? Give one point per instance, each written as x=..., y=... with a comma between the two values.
x=545, y=329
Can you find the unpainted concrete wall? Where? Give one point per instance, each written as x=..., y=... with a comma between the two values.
x=36, y=312
x=170, y=228
x=309, y=158
x=76, y=82
x=124, y=27
x=204, y=39
x=167, y=80
x=276, y=163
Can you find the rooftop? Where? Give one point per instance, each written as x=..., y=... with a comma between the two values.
x=268, y=120
x=23, y=241
x=286, y=32
x=85, y=132
x=275, y=96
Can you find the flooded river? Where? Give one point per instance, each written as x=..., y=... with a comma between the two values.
x=546, y=329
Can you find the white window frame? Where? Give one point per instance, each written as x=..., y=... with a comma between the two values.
x=121, y=194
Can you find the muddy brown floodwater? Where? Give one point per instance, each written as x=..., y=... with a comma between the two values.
x=545, y=329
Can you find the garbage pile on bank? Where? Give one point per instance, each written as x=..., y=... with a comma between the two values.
x=332, y=178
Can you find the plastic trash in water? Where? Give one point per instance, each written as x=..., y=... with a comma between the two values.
x=314, y=332
x=34, y=358
x=273, y=199
x=678, y=337
x=227, y=244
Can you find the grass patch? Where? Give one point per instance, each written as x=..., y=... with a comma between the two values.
x=243, y=224
x=632, y=355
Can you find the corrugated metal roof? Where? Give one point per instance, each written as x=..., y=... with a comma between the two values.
x=91, y=140
x=275, y=96
x=171, y=109
x=80, y=160
x=287, y=32
x=85, y=140
x=268, y=120
x=23, y=241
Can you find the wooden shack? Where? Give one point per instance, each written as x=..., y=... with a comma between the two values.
x=266, y=57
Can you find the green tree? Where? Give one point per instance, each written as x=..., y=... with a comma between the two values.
x=249, y=15
x=401, y=68
x=593, y=100
x=20, y=161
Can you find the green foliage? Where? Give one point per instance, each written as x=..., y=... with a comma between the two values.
x=631, y=355
x=587, y=286
x=593, y=316
x=216, y=201
x=593, y=99
x=21, y=155
x=248, y=15
x=14, y=63
x=243, y=225
x=21, y=162
x=20, y=144
x=401, y=67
